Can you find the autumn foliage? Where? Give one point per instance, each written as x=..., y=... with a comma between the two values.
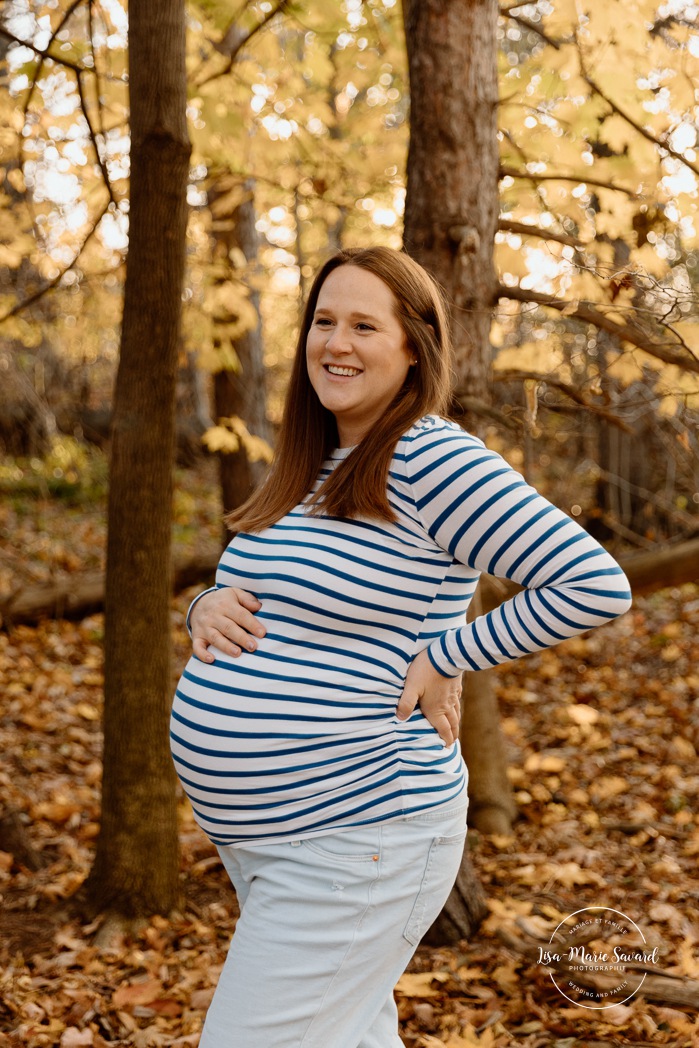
x=299, y=115
x=602, y=738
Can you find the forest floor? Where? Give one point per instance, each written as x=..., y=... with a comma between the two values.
x=602, y=737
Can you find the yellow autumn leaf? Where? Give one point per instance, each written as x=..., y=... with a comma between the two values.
x=421, y=984
x=569, y=874
x=222, y=357
x=581, y=713
x=231, y=434
x=507, y=977
x=468, y=1037
x=608, y=786
x=544, y=762
x=219, y=438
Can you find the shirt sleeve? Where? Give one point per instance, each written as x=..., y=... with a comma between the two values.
x=211, y=589
x=479, y=509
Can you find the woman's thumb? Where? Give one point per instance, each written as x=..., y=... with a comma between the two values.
x=406, y=703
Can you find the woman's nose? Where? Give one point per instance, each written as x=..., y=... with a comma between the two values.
x=338, y=340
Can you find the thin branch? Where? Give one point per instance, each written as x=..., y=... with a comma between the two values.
x=664, y=504
x=669, y=352
x=626, y=533
x=93, y=137
x=43, y=54
x=566, y=388
x=648, y=135
x=527, y=229
x=534, y=28
x=506, y=8
x=238, y=40
x=98, y=92
x=36, y=295
x=511, y=172
x=536, y=188
x=79, y=71
x=481, y=408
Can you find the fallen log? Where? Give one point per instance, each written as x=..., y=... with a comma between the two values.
x=75, y=597
x=657, y=986
x=662, y=568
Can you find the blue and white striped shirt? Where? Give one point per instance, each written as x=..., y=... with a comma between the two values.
x=300, y=737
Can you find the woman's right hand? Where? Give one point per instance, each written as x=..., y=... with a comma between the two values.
x=225, y=618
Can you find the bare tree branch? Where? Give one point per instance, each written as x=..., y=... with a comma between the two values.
x=663, y=503
x=676, y=352
x=512, y=172
x=505, y=9
x=98, y=91
x=43, y=54
x=570, y=391
x=626, y=533
x=93, y=137
x=36, y=295
x=529, y=230
x=659, y=143
x=476, y=406
x=235, y=39
x=526, y=23
x=80, y=71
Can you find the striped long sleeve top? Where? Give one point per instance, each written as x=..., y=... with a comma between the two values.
x=300, y=737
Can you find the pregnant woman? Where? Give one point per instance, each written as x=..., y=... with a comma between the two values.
x=314, y=729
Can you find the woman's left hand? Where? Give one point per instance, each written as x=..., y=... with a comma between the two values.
x=439, y=698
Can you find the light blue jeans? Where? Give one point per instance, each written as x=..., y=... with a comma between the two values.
x=327, y=926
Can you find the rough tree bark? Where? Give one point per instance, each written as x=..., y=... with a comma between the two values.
x=136, y=864
x=450, y=224
x=240, y=393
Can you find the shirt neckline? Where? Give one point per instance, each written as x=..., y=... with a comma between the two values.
x=341, y=453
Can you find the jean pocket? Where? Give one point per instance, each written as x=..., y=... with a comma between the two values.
x=441, y=868
x=362, y=844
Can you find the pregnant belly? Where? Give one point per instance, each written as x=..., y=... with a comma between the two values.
x=263, y=746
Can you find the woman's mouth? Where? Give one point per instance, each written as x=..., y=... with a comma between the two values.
x=343, y=372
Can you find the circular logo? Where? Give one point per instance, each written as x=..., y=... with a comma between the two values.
x=597, y=956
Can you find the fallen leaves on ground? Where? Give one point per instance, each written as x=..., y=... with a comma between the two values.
x=602, y=735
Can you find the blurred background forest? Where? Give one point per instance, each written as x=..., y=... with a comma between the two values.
x=568, y=245
x=299, y=125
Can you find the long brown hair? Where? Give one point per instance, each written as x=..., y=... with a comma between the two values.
x=358, y=485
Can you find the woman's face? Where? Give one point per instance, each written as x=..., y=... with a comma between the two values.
x=356, y=351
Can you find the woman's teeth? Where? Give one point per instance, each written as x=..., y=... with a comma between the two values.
x=335, y=370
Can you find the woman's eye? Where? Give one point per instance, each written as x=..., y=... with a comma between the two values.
x=365, y=327
x=323, y=321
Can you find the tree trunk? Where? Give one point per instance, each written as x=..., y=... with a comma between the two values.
x=452, y=195
x=492, y=807
x=136, y=864
x=450, y=223
x=241, y=393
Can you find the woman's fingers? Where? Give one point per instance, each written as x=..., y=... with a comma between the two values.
x=453, y=716
x=240, y=606
x=439, y=698
x=249, y=600
x=225, y=619
x=200, y=648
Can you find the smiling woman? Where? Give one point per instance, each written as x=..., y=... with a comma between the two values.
x=383, y=301
x=356, y=350
x=315, y=728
